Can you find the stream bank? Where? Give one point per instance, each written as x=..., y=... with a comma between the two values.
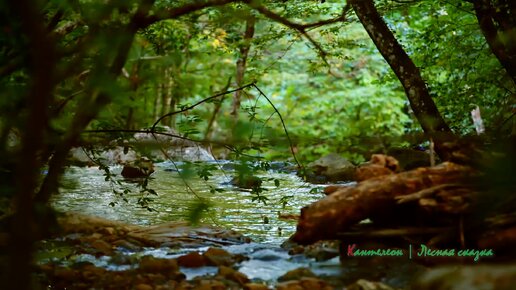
x=127, y=247
x=93, y=252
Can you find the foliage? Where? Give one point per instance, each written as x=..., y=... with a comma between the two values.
x=72, y=67
x=458, y=65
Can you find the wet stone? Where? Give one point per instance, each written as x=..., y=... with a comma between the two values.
x=220, y=257
x=102, y=247
x=306, y=283
x=126, y=245
x=233, y=275
x=289, y=285
x=255, y=286
x=368, y=285
x=217, y=256
x=314, y=284
x=210, y=285
x=192, y=260
x=297, y=274
x=108, y=231
x=156, y=265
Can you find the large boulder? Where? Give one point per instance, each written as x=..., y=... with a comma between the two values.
x=331, y=168
x=158, y=147
x=80, y=156
x=167, y=144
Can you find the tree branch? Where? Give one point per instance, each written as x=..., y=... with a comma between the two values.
x=296, y=26
x=198, y=103
x=180, y=11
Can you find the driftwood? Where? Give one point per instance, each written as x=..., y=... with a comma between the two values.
x=376, y=197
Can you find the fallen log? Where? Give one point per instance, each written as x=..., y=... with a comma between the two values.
x=335, y=213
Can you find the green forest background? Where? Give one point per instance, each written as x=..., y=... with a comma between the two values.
x=88, y=72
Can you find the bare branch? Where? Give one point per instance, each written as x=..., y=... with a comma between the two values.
x=300, y=166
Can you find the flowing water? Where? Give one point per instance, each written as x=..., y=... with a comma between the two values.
x=86, y=190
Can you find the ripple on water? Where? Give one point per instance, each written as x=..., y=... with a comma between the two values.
x=89, y=193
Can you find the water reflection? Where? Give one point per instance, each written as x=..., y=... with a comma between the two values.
x=232, y=208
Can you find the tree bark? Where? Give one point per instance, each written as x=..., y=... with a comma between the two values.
x=409, y=75
x=42, y=65
x=375, y=197
x=242, y=62
x=497, y=20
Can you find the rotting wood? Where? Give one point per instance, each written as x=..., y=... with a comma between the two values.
x=334, y=214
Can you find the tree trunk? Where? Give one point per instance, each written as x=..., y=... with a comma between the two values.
x=409, y=75
x=242, y=62
x=498, y=24
x=166, y=96
x=42, y=66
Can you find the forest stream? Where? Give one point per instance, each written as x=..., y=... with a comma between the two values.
x=88, y=193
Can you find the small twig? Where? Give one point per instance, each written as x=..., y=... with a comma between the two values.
x=65, y=101
x=282, y=123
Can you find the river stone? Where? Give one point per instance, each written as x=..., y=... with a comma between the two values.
x=246, y=181
x=478, y=277
x=158, y=265
x=192, y=260
x=177, y=149
x=255, y=286
x=331, y=168
x=306, y=283
x=102, y=247
x=314, y=283
x=368, y=285
x=322, y=250
x=289, y=285
x=219, y=257
x=233, y=275
x=297, y=274
x=138, y=169
x=126, y=245
x=209, y=285
x=154, y=147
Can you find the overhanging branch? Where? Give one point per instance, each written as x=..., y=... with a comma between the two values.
x=302, y=28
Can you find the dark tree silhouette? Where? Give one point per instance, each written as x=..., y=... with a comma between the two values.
x=409, y=75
